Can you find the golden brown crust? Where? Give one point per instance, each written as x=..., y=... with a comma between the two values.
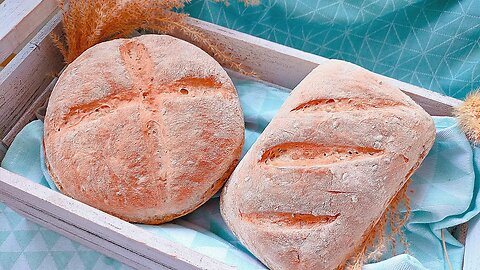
x=145, y=129
x=322, y=173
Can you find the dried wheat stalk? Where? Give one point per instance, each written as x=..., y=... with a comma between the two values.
x=89, y=22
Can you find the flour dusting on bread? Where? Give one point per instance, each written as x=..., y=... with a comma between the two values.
x=311, y=191
x=146, y=129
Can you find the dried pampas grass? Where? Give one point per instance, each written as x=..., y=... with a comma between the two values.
x=383, y=235
x=89, y=22
x=468, y=115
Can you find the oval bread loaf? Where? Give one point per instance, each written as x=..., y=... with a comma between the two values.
x=324, y=170
x=146, y=129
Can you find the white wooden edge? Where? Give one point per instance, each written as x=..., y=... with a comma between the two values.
x=286, y=66
x=239, y=76
x=93, y=225
x=19, y=18
x=29, y=114
x=3, y=150
x=27, y=75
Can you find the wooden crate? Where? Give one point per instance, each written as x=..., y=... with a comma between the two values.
x=25, y=85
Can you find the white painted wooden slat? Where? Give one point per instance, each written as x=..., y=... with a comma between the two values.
x=94, y=225
x=3, y=150
x=29, y=114
x=27, y=75
x=18, y=18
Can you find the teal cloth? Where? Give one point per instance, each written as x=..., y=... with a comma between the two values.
x=443, y=194
x=400, y=262
x=430, y=43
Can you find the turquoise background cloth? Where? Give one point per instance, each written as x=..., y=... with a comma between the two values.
x=443, y=194
x=434, y=44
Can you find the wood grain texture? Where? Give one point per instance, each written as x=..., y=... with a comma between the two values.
x=75, y=217
x=27, y=76
x=3, y=149
x=29, y=114
x=19, y=20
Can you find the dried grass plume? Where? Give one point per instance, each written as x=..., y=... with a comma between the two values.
x=383, y=235
x=468, y=115
x=89, y=22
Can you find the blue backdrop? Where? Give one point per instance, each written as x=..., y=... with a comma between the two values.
x=432, y=44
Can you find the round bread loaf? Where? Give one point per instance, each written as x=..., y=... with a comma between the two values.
x=311, y=188
x=146, y=129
